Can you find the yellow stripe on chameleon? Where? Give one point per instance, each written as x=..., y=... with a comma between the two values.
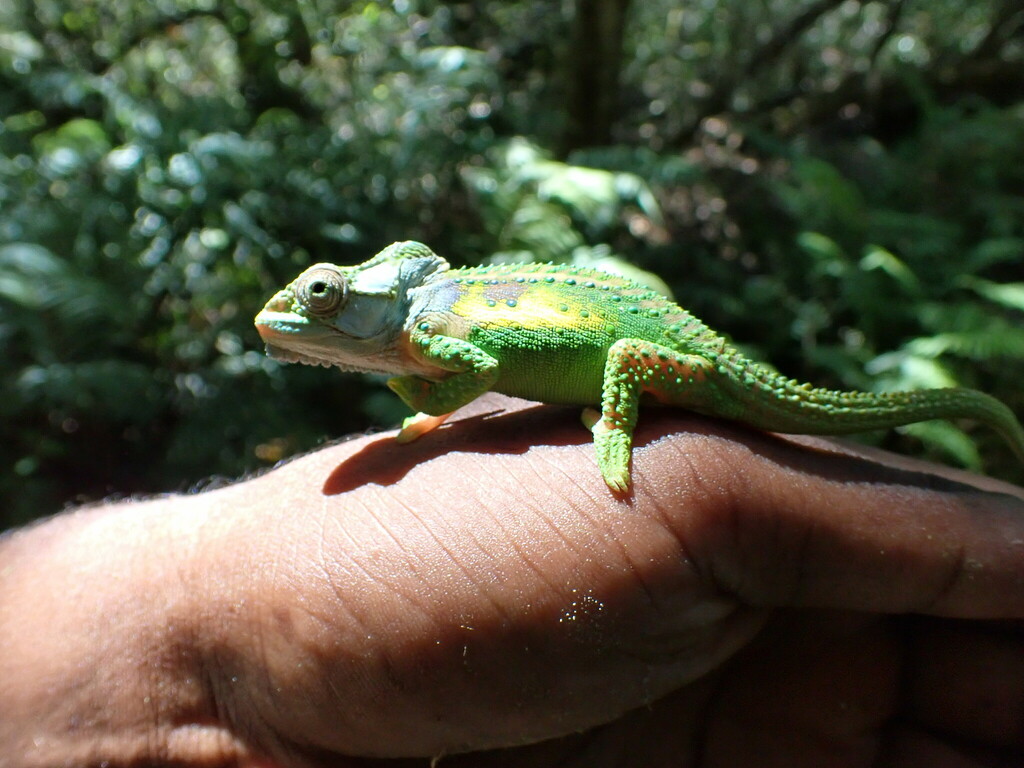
x=508, y=304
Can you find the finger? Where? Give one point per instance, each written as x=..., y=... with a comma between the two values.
x=816, y=525
x=967, y=683
x=814, y=689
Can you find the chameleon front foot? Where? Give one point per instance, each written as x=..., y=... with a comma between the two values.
x=417, y=426
x=612, y=446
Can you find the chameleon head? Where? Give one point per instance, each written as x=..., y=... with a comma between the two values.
x=297, y=323
x=349, y=317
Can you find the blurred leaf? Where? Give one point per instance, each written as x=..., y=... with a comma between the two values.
x=30, y=275
x=74, y=145
x=902, y=370
x=532, y=203
x=878, y=258
x=997, y=340
x=994, y=251
x=819, y=195
x=947, y=439
x=828, y=256
x=1010, y=295
x=19, y=45
x=117, y=389
x=601, y=257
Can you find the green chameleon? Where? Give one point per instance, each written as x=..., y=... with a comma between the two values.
x=562, y=334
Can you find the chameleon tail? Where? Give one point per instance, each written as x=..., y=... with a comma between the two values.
x=971, y=404
x=793, y=407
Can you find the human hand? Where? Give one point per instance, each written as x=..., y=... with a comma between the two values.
x=749, y=604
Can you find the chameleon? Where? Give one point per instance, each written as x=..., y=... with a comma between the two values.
x=562, y=334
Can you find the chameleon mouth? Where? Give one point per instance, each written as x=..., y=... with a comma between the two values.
x=291, y=356
x=291, y=338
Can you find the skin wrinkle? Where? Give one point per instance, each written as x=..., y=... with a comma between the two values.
x=960, y=555
x=328, y=624
x=588, y=523
x=469, y=533
x=552, y=526
x=565, y=540
x=328, y=566
x=185, y=646
x=304, y=658
x=643, y=508
x=351, y=549
x=329, y=576
x=795, y=590
x=790, y=578
x=692, y=484
x=348, y=556
x=312, y=658
x=958, y=567
x=225, y=715
x=187, y=732
x=609, y=537
x=395, y=589
x=512, y=538
x=528, y=561
x=781, y=517
x=572, y=480
x=613, y=540
x=225, y=698
x=495, y=604
x=397, y=593
x=947, y=586
x=685, y=555
x=409, y=566
x=584, y=552
x=706, y=566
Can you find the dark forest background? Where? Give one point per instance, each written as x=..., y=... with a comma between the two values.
x=838, y=185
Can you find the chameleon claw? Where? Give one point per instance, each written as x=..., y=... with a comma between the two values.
x=417, y=426
x=618, y=483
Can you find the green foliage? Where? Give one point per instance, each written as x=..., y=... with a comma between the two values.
x=164, y=168
x=840, y=185
x=538, y=209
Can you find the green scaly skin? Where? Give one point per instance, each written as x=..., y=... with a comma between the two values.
x=562, y=334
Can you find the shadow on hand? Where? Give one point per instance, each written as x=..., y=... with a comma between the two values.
x=498, y=424
x=484, y=426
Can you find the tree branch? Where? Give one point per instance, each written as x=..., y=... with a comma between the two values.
x=593, y=70
x=787, y=36
x=1007, y=23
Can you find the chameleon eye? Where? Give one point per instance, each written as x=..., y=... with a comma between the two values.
x=322, y=291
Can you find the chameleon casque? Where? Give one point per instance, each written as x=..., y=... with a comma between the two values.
x=562, y=334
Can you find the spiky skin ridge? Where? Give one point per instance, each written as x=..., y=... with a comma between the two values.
x=563, y=334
